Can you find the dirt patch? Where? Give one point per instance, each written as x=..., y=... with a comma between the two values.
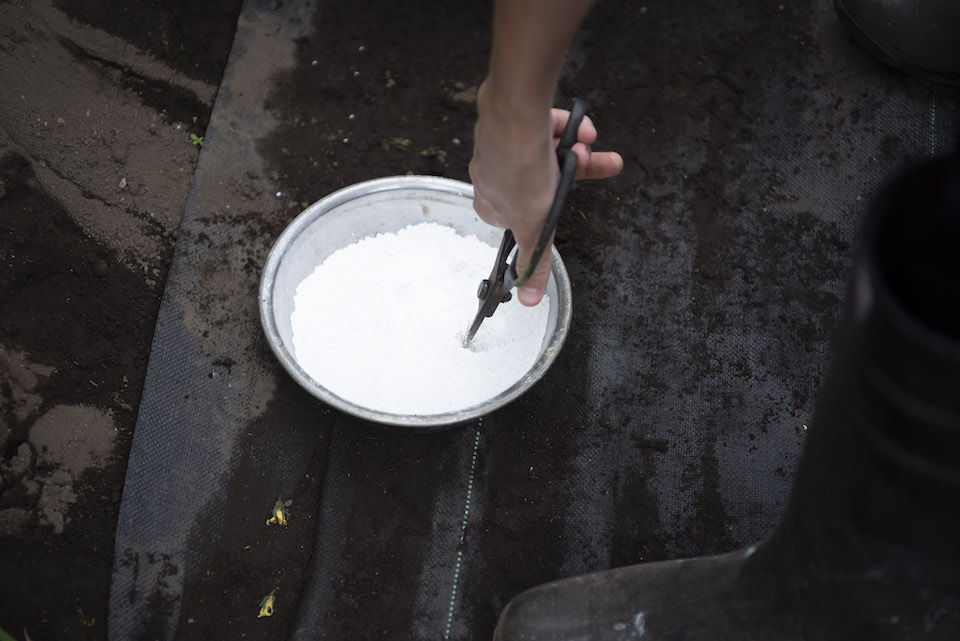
x=365, y=87
x=67, y=440
x=191, y=37
x=71, y=366
x=96, y=161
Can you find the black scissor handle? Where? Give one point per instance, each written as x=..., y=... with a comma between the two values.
x=568, y=167
x=503, y=279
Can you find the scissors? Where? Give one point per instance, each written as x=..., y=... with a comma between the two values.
x=503, y=278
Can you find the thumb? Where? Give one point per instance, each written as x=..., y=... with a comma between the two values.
x=531, y=292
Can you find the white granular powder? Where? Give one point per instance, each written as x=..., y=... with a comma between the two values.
x=381, y=322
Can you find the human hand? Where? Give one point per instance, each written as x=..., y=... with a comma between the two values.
x=515, y=175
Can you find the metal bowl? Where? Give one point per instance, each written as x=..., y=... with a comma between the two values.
x=366, y=209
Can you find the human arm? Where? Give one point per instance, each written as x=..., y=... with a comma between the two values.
x=514, y=168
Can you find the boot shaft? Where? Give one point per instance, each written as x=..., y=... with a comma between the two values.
x=878, y=487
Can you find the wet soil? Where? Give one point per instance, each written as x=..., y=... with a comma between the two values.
x=98, y=105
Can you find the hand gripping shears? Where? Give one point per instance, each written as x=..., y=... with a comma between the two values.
x=503, y=278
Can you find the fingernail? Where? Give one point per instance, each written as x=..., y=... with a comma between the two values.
x=529, y=296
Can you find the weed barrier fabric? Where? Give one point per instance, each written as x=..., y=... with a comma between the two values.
x=707, y=280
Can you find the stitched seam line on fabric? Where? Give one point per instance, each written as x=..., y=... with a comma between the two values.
x=933, y=120
x=463, y=530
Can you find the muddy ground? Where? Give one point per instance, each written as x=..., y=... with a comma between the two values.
x=98, y=107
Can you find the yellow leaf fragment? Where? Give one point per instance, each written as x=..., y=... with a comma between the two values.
x=278, y=515
x=266, y=605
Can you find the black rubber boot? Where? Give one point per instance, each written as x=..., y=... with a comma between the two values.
x=869, y=547
x=916, y=36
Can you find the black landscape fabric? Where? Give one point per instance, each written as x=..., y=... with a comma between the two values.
x=707, y=279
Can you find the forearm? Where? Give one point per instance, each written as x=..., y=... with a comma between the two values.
x=514, y=167
x=530, y=40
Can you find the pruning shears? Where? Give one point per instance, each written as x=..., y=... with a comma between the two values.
x=503, y=278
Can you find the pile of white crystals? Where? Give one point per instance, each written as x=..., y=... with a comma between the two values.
x=381, y=322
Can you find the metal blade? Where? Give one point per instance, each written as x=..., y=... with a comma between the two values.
x=473, y=328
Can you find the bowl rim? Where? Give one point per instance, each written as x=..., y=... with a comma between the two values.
x=426, y=421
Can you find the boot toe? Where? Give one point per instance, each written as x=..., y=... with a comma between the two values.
x=684, y=599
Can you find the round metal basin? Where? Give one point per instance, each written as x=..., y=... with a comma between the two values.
x=378, y=206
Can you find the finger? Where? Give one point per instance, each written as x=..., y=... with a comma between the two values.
x=583, y=158
x=586, y=132
x=531, y=292
x=600, y=164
